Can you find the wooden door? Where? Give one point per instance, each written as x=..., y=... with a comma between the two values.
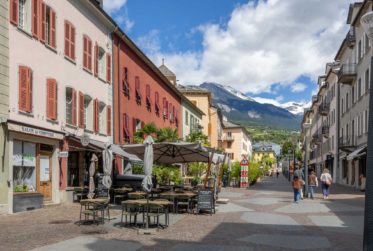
x=44, y=174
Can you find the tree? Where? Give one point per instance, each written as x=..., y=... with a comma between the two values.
x=167, y=134
x=148, y=129
x=197, y=136
x=286, y=147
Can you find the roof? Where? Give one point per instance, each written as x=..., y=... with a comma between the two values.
x=230, y=125
x=193, y=89
x=167, y=72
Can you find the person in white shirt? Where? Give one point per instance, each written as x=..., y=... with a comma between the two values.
x=326, y=181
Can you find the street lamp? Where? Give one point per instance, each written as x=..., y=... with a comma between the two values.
x=367, y=24
x=306, y=126
x=289, y=152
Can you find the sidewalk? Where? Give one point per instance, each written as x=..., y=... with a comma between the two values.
x=262, y=217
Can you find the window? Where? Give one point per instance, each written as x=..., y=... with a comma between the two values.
x=24, y=166
x=108, y=67
x=48, y=28
x=170, y=115
x=157, y=107
x=192, y=125
x=367, y=43
x=101, y=63
x=51, y=99
x=88, y=112
x=229, y=134
x=165, y=108
x=70, y=106
x=359, y=89
x=366, y=80
x=126, y=86
x=69, y=40
x=148, y=98
x=87, y=53
x=353, y=95
x=229, y=145
x=137, y=90
x=346, y=102
x=126, y=131
x=108, y=120
x=24, y=15
x=96, y=117
x=186, y=118
x=102, y=118
x=25, y=89
x=359, y=51
x=366, y=121
x=230, y=155
x=342, y=106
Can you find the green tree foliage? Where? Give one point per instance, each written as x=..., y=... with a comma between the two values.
x=197, y=136
x=167, y=174
x=148, y=129
x=286, y=147
x=197, y=169
x=159, y=135
x=278, y=136
x=167, y=134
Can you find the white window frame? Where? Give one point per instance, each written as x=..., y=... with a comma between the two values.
x=102, y=117
x=68, y=104
x=101, y=63
x=88, y=113
x=25, y=15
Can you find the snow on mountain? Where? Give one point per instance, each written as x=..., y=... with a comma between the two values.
x=235, y=92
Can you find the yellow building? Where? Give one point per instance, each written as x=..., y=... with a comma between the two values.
x=259, y=154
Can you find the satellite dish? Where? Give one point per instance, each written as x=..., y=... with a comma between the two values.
x=85, y=140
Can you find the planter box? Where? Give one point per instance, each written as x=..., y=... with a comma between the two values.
x=27, y=201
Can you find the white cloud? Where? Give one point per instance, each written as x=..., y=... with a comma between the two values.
x=272, y=42
x=112, y=6
x=253, y=114
x=298, y=87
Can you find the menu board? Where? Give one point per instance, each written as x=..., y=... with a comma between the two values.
x=205, y=200
x=102, y=190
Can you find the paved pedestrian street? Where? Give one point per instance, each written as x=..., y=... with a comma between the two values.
x=260, y=218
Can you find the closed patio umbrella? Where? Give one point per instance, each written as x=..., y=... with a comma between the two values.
x=92, y=170
x=107, y=158
x=147, y=182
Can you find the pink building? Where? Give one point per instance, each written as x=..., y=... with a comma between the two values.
x=60, y=78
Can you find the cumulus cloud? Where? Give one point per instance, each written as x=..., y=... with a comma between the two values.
x=270, y=42
x=116, y=8
x=253, y=114
x=292, y=106
x=112, y=6
x=298, y=87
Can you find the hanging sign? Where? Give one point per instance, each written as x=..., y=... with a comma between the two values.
x=244, y=183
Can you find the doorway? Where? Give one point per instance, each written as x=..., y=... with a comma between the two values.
x=44, y=172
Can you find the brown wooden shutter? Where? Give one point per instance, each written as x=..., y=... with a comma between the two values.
x=81, y=110
x=73, y=107
x=23, y=88
x=35, y=18
x=43, y=21
x=51, y=99
x=89, y=55
x=96, y=60
x=85, y=52
x=95, y=116
x=52, y=32
x=13, y=15
x=72, y=41
x=108, y=67
x=67, y=39
x=29, y=89
x=134, y=124
x=108, y=119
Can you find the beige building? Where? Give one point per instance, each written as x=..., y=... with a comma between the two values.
x=236, y=141
x=4, y=102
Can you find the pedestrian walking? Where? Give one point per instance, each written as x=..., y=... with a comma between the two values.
x=277, y=173
x=326, y=181
x=296, y=188
x=312, y=184
x=299, y=173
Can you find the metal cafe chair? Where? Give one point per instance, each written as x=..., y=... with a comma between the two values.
x=183, y=201
x=129, y=210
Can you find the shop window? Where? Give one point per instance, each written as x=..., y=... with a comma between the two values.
x=24, y=166
x=88, y=113
x=73, y=170
x=102, y=118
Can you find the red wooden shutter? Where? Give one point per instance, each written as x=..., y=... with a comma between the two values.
x=52, y=31
x=23, y=88
x=51, y=99
x=89, y=54
x=13, y=15
x=29, y=89
x=96, y=60
x=43, y=21
x=108, y=119
x=148, y=91
x=72, y=41
x=35, y=18
x=95, y=116
x=81, y=110
x=134, y=124
x=67, y=39
x=108, y=67
x=85, y=52
x=73, y=108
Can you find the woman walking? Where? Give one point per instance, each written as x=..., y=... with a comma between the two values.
x=312, y=184
x=296, y=187
x=326, y=181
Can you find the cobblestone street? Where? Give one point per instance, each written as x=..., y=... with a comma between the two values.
x=261, y=218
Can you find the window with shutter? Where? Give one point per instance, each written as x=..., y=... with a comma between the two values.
x=72, y=42
x=69, y=40
x=73, y=108
x=24, y=89
x=95, y=116
x=148, y=98
x=108, y=67
x=108, y=119
x=43, y=22
x=156, y=103
x=126, y=86
x=87, y=53
x=51, y=99
x=52, y=28
x=81, y=110
x=126, y=131
x=96, y=60
x=35, y=18
x=137, y=90
x=13, y=14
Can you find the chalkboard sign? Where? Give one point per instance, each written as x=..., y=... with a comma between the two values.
x=102, y=191
x=206, y=201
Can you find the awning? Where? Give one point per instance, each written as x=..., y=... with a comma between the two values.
x=357, y=153
x=119, y=151
x=342, y=155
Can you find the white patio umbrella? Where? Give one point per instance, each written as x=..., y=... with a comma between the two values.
x=92, y=170
x=107, y=159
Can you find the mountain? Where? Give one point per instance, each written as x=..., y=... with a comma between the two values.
x=239, y=108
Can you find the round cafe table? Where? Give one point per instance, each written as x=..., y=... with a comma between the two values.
x=174, y=196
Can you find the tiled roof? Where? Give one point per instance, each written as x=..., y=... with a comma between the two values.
x=167, y=72
x=192, y=88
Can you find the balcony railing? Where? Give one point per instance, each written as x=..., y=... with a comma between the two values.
x=325, y=130
x=227, y=138
x=346, y=142
x=351, y=38
x=316, y=138
x=324, y=109
x=347, y=73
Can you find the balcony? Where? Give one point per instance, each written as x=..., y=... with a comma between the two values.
x=324, y=109
x=325, y=130
x=351, y=38
x=346, y=143
x=316, y=138
x=227, y=138
x=347, y=73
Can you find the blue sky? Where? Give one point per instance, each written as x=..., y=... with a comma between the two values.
x=270, y=49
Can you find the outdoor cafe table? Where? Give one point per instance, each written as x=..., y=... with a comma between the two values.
x=123, y=190
x=137, y=194
x=175, y=195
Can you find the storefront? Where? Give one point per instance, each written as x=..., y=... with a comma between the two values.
x=33, y=167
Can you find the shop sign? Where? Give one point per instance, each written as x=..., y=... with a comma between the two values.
x=34, y=131
x=63, y=154
x=244, y=173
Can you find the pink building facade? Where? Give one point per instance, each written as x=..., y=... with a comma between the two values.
x=60, y=81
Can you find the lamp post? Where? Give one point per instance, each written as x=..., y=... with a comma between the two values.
x=289, y=152
x=306, y=126
x=367, y=24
